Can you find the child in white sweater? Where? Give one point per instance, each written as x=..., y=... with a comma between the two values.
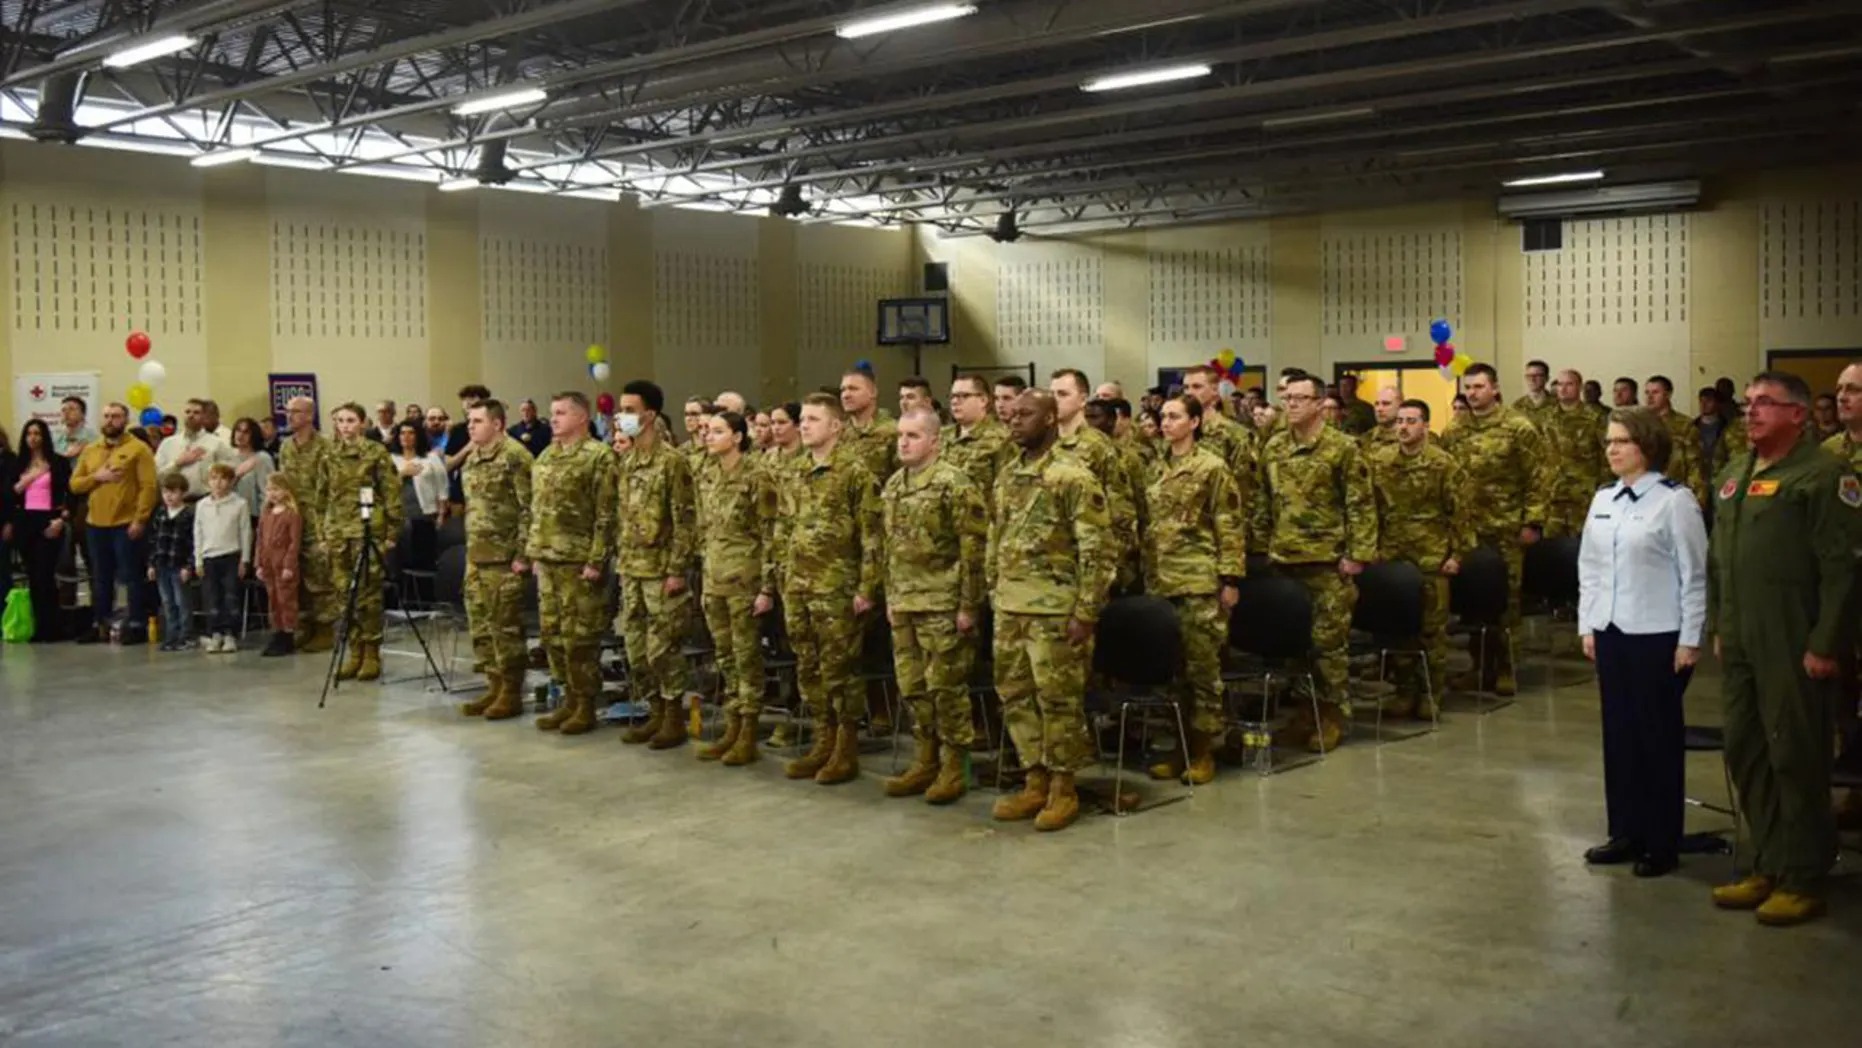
x=222, y=556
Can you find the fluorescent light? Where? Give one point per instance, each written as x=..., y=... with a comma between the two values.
x=611, y=196
x=138, y=145
x=454, y=185
x=1553, y=180
x=908, y=19
x=407, y=174
x=502, y=100
x=139, y=53
x=1142, y=78
x=1275, y=123
x=224, y=156
x=294, y=162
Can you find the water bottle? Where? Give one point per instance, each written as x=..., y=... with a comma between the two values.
x=696, y=727
x=555, y=695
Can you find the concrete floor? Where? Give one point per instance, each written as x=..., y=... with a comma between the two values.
x=192, y=853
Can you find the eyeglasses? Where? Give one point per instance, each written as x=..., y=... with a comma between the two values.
x=1768, y=403
x=1297, y=398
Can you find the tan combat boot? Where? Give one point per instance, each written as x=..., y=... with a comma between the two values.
x=744, y=750
x=733, y=726
x=844, y=765
x=953, y=776
x=352, y=662
x=511, y=701
x=552, y=721
x=371, y=662
x=494, y=691
x=1331, y=729
x=1504, y=683
x=1026, y=804
x=919, y=776
x=818, y=753
x=642, y=733
x=317, y=640
x=581, y=715
x=1746, y=894
x=1786, y=908
x=1062, y=807
x=671, y=731
x=1201, y=771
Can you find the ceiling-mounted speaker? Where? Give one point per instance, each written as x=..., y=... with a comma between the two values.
x=56, y=120
x=1007, y=232
x=937, y=278
x=790, y=203
x=490, y=169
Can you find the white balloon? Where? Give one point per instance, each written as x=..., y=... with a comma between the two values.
x=1226, y=388
x=602, y=371
x=151, y=373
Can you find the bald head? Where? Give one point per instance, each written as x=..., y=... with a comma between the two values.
x=730, y=400
x=300, y=414
x=918, y=434
x=1568, y=387
x=1033, y=420
x=1389, y=398
x=1849, y=398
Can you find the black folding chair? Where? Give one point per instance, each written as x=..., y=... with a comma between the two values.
x=1272, y=624
x=1137, y=655
x=1389, y=608
x=1477, y=600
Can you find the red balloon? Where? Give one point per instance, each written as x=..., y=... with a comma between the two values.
x=1444, y=355
x=138, y=344
x=605, y=403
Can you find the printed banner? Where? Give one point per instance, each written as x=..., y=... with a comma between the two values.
x=38, y=395
x=285, y=386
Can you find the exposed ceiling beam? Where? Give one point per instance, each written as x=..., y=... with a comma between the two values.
x=196, y=19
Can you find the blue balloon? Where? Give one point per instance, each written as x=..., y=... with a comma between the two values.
x=151, y=416
x=1441, y=332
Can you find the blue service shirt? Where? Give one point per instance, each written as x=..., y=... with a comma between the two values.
x=1642, y=563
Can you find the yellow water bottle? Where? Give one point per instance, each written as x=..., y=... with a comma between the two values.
x=696, y=728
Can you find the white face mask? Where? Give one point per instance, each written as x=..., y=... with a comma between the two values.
x=629, y=424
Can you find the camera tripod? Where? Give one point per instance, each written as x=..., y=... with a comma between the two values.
x=369, y=555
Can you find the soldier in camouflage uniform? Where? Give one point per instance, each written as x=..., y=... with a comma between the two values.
x=571, y=539
x=736, y=524
x=1316, y=519
x=1685, y=465
x=301, y=457
x=1095, y=451
x=1536, y=405
x=975, y=442
x=1226, y=439
x=871, y=434
x=1355, y=417
x=496, y=481
x=1102, y=415
x=1422, y=517
x=353, y=463
x=1195, y=554
x=657, y=548
x=934, y=533
x=827, y=555
x=1508, y=478
x=1382, y=436
x=1846, y=446
x=1574, y=444
x=1051, y=562
x=698, y=412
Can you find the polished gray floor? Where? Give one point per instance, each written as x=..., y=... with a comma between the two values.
x=192, y=853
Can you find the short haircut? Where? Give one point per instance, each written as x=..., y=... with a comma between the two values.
x=83, y=408
x=1419, y=405
x=174, y=481
x=929, y=417
x=474, y=391
x=573, y=396
x=492, y=407
x=1014, y=382
x=1626, y=381
x=1318, y=387
x=1120, y=406
x=865, y=373
x=197, y=402
x=1540, y=364
x=350, y=406
x=650, y=394
x=1199, y=369
x=1707, y=391
x=1649, y=433
x=1662, y=381
x=1797, y=391
x=978, y=384
x=915, y=382
x=221, y=469
x=827, y=402
x=422, y=443
x=1483, y=369
x=1073, y=373
x=1291, y=373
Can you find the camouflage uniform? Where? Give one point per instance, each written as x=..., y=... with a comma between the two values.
x=736, y=522
x=1096, y=452
x=1357, y=418
x=304, y=464
x=1734, y=440
x=350, y=466
x=1315, y=508
x=656, y=541
x=1508, y=480
x=1379, y=439
x=1574, y=446
x=1230, y=441
x=978, y=453
x=1195, y=544
x=1537, y=412
x=1051, y=559
x=1422, y=517
x=827, y=553
x=875, y=444
x=1685, y=464
x=572, y=527
x=496, y=481
x=935, y=530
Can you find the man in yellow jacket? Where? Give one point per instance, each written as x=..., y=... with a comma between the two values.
x=117, y=471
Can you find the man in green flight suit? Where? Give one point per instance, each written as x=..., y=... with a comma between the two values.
x=1781, y=578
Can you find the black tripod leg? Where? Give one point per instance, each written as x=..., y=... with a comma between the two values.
x=414, y=625
x=347, y=622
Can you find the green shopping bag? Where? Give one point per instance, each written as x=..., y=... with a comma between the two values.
x=16, y=623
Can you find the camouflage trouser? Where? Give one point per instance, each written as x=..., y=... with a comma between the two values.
x=933, y=662
x=1566, y=519
x=366, y=627
x=1407, y=669
x=1041, y=680
x=570, y=610
x=825, y=635
x=316, y=604
x=1499, y=652
x=494, y=602
x=1205, y=634
x=737, y=647
x=654, y=627
x=1333, y=598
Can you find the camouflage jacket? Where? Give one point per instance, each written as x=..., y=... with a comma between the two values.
x=875, y=444
x=496, y=481
x=304, y=464
x=979, y=453
x=736, y=525
x=1357, y=418
x=1574, y=448
x=935, y=531
x=348, y=467
x=1378, y=438
x=1422, y=507
x=1198, y=531
x=1685, y=463
x=827, y=539
x=1734, y=440
x=1841, y=446
x=1315, y=504
x=1051, y=550
x=1535, y=412
x=1507, y=467
x=657, y=537
x=1229, y=441
x=1095, y=451
x=573, y=501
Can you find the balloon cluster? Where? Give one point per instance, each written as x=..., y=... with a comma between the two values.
x=598, y=368
x=1450, y=363
x=141, y=393
x=1231, y=368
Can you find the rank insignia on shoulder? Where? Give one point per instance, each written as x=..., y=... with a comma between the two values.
x=1849, y=489
x=1670, y=482
x=1729, y=489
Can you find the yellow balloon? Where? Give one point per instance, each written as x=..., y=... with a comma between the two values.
x=1461, y=364
x=1227, y=358
x=140, y=396
x=596, y=355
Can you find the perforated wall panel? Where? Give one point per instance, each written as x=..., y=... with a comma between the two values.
x=837, y=306
x=334, y=279
x=1613, y=301
x=704, y=304
x=1052, y=310
x=543, y=293
x=97, y=267
x=1379, y=282
x=1810, y=274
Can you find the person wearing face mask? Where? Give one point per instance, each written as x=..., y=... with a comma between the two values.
x=657, y=550
x=736, y=519
x=356, y=463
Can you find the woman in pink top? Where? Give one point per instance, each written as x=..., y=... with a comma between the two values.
x=33, y=491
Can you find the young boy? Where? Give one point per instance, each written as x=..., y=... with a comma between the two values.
x=171, y=560
x=222, y=556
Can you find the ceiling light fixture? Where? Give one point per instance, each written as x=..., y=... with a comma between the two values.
x=136, y=54
x=1554, y=180
x=906, y=19
x=454, y=185
x=224, y=156
x=1146, y=77
x=1301, y=120
x=502, y=100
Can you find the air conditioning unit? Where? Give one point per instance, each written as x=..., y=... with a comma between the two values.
x=1604, y=200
